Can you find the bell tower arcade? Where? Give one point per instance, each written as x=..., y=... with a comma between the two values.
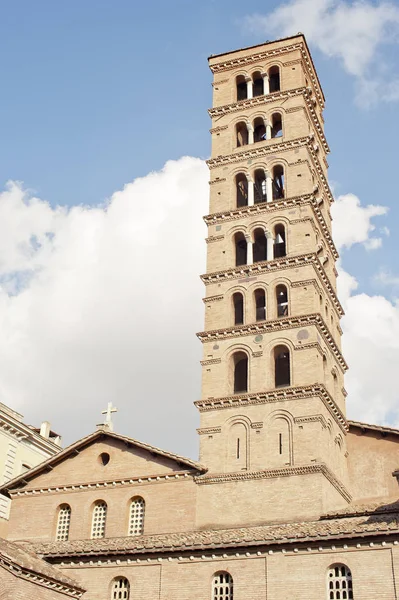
x=273, y=401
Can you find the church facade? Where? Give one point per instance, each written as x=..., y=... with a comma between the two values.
x=289, y=499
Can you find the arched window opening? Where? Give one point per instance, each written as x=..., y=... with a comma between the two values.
x=237, y=447
x=63, y=522
x=335, y=382
x=222, y=586
x=258, y=84
x=260, y=304
x=282, y=301
x=277, y=125
x=282, y=375
x=260, y=246
x=120, y=589
x=240, y=362
x=278, y=182
x=242, y=134
x=238, y=305
x=136, y=516
x=279, y=441
x=259, y=129
x=274, y=79
x=279, y=241
x=242, y=190
x=241, y=88
x=339, y=583
x=260, y=186
x=99, y=519
x=241, y=249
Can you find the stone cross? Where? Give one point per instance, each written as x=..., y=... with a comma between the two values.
x=108, y=419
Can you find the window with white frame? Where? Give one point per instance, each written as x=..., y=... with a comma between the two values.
x=120, y=589
x=99, y=519
x=339, y=583
x=63, y=522
x=222, y=586
x=136, y=516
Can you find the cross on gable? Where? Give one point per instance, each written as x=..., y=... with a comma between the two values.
x=108, y=412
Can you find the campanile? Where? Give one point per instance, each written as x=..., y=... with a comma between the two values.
x=273, y=397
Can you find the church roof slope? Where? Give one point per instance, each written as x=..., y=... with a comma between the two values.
x=24, y=478
x=380, y=428
x=356, y=526
x=22, y=559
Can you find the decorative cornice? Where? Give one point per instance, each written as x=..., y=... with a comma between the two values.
x=257, y=425
x=208, y=430
x=98, y=485
x=219, y=111
x=300, y=260
x=312, y=419
x=217, y=180
x=211, y=361
x=22, y=432
x=218, y=129
x=277, y=395
x=273, y=473
x=277, y=205
x=215, y=83
x=214, y=238
x=38, y=579
x=213, y=298
x=280, y=324
x=305, y=282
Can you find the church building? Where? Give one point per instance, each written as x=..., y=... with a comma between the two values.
x=289, y=499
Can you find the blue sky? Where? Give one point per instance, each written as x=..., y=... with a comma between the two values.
x=96, y=94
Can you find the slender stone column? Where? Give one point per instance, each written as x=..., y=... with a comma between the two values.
x=269, y=245
x=250, y=192
x=266, y=85
x=268, y=131
x=250, y=251
x=269, y=187
x=250, y=133
x=250, y=87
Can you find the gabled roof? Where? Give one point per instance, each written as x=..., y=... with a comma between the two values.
x=23, y=561
x=380, y=428
x=74, y=448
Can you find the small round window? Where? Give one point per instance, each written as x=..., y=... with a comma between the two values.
x=104, y=458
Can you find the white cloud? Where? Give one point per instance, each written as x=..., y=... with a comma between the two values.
x=353, y=32
x=102, y=303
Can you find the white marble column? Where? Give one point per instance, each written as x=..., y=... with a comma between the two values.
x=250, y=87
x=269, y=187
x=250, y=133
x=266, y=85
x=268, y=130
x=269, y=245
x=250, y=250
x=250, y=192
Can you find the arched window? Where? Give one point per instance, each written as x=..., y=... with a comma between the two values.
x=278, y=182
x=258, y=84
x=282, y=301
x=242, y=190
x=279, y=441
x=241, y=88
x=63, y=522
x=274, y=79
x=238, y=305
x=237, y=447
x=260, y=246
x=222, y=586
x=260, y=304
x=282, y=375
x=240, y=364
x=339, y=583
x=99, y=519
x=241, y=249
x=242, y=133
x=259, y=129
x=277, y=125
x=260, y=186
x=279, y=241
x=120, y=589
x=136, y=516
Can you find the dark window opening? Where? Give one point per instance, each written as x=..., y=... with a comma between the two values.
x=278, y=182
x=282, y=301
x=238, y=447
x=282, y=366
x=280, y=443
x=260, y=246
x=260, y=303
x=238, y=303
x=241, y=88
x=274, y=79
x=242, y=134
x=279, y=241
x=277, y=126
x=242, y=190
x=240, y=373
x=260, y=187
x=258, y=84
x=259, y=130
x=241, y=249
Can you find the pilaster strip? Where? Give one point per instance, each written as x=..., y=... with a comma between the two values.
x=277, y=395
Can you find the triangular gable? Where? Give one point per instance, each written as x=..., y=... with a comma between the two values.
x=130, y=458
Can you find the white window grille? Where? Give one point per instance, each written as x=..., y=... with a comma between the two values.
x=99, y=519
x=222, y=586
x=120, y=589
x=63, y=523
x=339, y=583
x=136, y=517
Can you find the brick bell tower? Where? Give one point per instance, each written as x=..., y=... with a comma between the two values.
x=273, y=401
